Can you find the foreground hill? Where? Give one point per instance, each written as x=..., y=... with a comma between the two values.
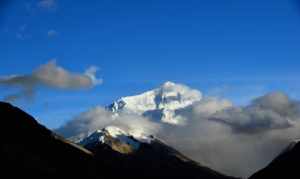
x=29, y=149
x=145, y=156
x=284, y=166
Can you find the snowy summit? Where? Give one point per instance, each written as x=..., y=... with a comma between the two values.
x=116, y=138
x=160, y=103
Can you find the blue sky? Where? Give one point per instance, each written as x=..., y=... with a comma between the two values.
x=229, y=48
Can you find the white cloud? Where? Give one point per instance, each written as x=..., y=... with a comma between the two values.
x=50, y=75
x=99, y=118
x=209, y=106
x=272, y=111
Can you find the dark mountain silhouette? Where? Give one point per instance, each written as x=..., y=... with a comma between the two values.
x=151, y=159
x=28, y=149
x=285, y=166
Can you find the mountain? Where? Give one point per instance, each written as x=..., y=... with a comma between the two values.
x=144, y=157
x=286, y=165
x=114, y=137
x=160, y=104
x=28, y=149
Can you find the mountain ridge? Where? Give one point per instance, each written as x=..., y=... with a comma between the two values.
x=284, y=165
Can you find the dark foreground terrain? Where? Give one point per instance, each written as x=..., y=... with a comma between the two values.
x=285, y=166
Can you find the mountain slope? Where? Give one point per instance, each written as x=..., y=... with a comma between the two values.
x=144, y=157
x=30, y=149
x=114, y=137
x=286, y=165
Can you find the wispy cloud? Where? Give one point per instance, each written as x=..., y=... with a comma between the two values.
x=52, y=76
x=22, y=33
x=47, y=4
x=52, y=33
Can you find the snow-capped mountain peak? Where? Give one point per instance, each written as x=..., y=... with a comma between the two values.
x=116, y=138
x=160, y=103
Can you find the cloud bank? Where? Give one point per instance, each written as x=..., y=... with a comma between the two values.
x=272, y=111
x=233, y=139
x=236, y=140
x=52, y=76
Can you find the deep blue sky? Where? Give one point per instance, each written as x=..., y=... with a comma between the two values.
x=230, y=48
